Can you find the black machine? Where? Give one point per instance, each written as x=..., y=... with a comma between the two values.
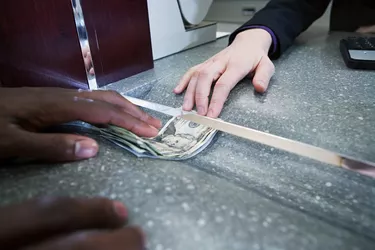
x=358, y=52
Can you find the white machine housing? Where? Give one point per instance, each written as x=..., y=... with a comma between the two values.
x=177, y=25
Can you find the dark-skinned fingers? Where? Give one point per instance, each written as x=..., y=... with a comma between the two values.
x=40, y=219
x=64, y=147
x=116, y=98
x=263, y=74
x=129, y=238
x=17, y=100
x=53, y=96
x=92, y=111
x=50, y=98
x=50, y=147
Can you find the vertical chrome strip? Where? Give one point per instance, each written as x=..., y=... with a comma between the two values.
x=84, y=42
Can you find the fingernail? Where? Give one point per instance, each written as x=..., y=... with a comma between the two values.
x=120, y=209
x=85, y=149
x=201, y=110
x=159, y=124
x=154, y=122
x=261, y=82
x=155, y=130
x=261, y=86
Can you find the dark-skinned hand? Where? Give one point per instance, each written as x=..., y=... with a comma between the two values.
x=68, y=224
x=26, y=111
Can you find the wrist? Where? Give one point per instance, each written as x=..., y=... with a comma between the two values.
x=261, y=37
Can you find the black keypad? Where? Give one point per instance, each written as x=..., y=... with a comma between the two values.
x=361, y=43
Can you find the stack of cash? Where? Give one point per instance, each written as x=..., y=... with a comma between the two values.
x=179, y=139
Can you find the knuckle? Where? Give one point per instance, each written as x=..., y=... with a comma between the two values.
x=216, y=102
x=215, y=59
x=203, y=73
x=192, y=71
x=144, y=116
x=237, y=65
x=118, y=95
x=113, y=92
x=195, y=68
x=112, y=114
x=134, y=125
x=199, y=95
x=221, y=86
x=196, y=74
x=58, y=145
x=190, y=92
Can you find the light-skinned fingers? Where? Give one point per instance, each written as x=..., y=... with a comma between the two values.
x=184, y=81
x=189, y=97
x=223, y=86
x=85, y=50
x=263, y=74
x=46, y=217
x=206, y=76
x=87, y=62
x=190, y=93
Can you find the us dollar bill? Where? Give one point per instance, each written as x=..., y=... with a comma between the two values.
x=179, y=139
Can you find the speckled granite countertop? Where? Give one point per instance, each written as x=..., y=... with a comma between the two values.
x=237, y=194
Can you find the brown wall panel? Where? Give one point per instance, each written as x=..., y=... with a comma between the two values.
x=119, y=37
x=39, y=44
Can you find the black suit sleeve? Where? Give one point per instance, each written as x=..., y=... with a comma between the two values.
x=287, y=19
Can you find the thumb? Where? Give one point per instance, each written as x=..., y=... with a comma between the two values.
x=55, y=147
x=263, y=74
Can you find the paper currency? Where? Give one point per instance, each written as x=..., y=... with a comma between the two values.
x=177, y=140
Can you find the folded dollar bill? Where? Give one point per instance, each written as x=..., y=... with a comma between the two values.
x=179, y=139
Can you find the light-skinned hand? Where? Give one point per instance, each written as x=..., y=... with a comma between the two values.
x=248, y=54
